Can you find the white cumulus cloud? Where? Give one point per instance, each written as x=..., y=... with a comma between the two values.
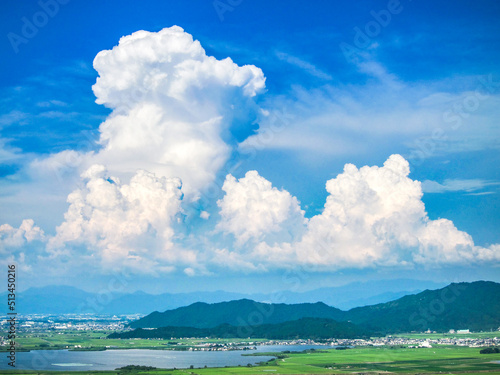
x=253, y=209
x=16, y=242
x=369, y=213
x=373, y=216
x=123, y=223
x=27, y=232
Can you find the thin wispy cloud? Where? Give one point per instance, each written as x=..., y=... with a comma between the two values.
x=304, y=65
x=457, y=185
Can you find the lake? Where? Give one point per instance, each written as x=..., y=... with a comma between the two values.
x=64, y=360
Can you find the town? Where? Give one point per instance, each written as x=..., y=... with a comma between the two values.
x=40, y=324
x=79, y=322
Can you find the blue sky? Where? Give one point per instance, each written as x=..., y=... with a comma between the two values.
x=419, y=79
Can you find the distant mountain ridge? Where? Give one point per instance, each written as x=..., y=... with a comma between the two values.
x=475, y=306
x=236, y=313
x=67, y=299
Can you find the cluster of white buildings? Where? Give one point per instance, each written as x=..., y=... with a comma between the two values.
x=220, y=348
x=396, y=341
x=77, y=322
x=420, y=342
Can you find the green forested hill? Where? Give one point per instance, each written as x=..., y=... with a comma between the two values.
x=236, y=313
x=311, y=328
x=474, y=306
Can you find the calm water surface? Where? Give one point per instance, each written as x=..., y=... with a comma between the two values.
x=64, y=360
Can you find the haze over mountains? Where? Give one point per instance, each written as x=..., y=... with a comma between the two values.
x=474, y=306
x=66, y=299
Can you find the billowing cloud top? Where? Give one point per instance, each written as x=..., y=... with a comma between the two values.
x=168, y=63
x=171, y=105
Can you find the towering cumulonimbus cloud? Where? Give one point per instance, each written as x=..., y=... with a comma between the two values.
x=171, y=106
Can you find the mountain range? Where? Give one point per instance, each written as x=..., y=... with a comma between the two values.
x=311, y=328
x=67, y=299
x=474, y=306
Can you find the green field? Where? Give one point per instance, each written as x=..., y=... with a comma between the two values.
x=445, y=360
x=85, y=339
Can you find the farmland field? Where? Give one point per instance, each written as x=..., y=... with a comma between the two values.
x=443, y=359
